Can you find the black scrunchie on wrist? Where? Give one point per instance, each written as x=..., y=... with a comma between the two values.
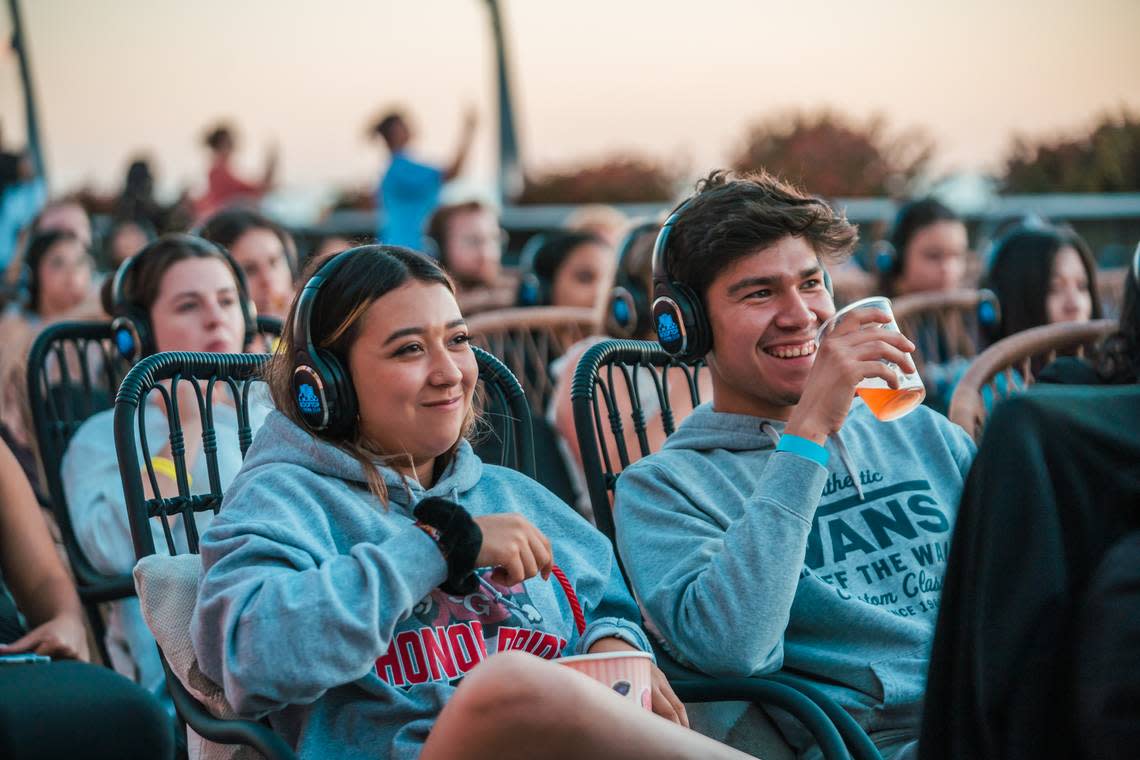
x=459, y=540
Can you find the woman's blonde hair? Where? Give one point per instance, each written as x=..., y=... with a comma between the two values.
x=334, y=325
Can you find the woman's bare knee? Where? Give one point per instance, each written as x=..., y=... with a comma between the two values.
x=506, y=684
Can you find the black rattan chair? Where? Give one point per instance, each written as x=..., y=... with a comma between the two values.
x=506, y=411
x=606, y=397
x=73, y=372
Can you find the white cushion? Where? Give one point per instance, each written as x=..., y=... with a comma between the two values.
x=167, y=588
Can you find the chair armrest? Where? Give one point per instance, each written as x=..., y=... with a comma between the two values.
x=254, y=734
x=108, y=589
x=856, y=739
x=765, y=691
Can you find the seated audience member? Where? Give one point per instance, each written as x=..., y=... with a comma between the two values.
x=1117, y=360
x=137, y=201
x=58, y=281
x=927, y=252
x=362, y=527
x=57, y=216
x=782, y=525
x=600, y=220
x=469, y=243
x=63, y=707
x=1042, y=276
x=59, y=277
x=566, y=269
x=265, y=252
x=224, y=187
x=180, y=293
x=124, y=239
x=329, y=244
x=628, y=316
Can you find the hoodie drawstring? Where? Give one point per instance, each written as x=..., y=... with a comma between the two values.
x=844, y=455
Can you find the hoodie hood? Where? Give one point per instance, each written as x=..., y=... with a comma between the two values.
x=282, y=441
x=705, y=429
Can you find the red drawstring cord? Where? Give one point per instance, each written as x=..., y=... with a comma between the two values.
x=575, y=607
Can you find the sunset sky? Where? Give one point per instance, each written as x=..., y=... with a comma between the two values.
x=675, y=80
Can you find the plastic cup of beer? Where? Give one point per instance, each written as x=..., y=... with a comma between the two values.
x=628, y=673
x=885, y=402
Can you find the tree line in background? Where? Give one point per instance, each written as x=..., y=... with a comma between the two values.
x=838, y=156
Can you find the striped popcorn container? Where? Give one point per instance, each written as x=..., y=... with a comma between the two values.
x=627, y=673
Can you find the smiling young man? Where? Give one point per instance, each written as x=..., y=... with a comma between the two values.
x=782, y=526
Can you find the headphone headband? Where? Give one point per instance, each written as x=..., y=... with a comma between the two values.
x=302, y=327
x=322, y=388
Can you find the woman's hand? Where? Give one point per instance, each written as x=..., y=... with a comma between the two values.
x=61, y=638
x=665, y=701
x=514, y=547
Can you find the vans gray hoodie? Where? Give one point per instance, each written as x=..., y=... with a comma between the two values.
x=320, y=608
x=747, y=560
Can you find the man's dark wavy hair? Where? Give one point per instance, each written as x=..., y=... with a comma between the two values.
x=732, y=217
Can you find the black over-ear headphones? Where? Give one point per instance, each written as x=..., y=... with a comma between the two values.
x=678, y=314
x=322, y=386
x=131, y=329
x=629, y=307
x=534, y=289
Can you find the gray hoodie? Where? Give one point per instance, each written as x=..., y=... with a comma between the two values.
x=747, y=560
x=320, y=608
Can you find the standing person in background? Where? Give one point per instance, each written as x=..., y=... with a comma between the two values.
x=265, y=252
x=409, y=190
x=225, y=187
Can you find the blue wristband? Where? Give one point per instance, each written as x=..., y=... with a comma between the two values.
x=802, y=447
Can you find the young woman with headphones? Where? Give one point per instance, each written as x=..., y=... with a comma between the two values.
x=628, y=314
x=180, y=293
x=368, y=573
x=264, y=250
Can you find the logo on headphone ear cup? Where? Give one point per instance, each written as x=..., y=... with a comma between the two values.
x=323, y=394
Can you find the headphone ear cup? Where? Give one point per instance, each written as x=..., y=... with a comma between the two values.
x=883, y=256
x=622, y=315
x=130, y=332
x=679, y=320
x=324, y=394
x=342, y=416
x=531, y=292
